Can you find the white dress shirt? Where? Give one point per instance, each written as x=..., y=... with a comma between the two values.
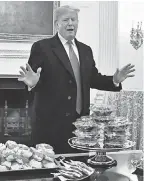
x=66, y=46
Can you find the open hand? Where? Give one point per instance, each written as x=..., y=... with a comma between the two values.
x=28, y=76
x=123, y=73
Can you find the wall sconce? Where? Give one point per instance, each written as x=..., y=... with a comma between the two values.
x=136, y=36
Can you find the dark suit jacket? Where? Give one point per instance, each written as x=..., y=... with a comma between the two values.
x=53, y=108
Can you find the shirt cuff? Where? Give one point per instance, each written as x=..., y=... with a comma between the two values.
x=30, y=88
x=116, y=84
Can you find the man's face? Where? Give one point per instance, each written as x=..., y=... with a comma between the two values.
x=67, y=25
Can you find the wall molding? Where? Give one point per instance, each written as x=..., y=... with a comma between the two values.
x=5, y=37
x=22, y=54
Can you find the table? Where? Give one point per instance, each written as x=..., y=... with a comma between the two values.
x=121, y=172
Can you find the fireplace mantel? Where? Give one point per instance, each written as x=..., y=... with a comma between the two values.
x=14, y=91
x=10, y=82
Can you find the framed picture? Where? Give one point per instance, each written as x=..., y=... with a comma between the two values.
x=26, y=21
x=21, y=24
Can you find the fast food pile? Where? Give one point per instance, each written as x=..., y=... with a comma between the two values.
x=73, y=170
x=117, y=133
x=102, y=129
x=90, y=129
x=15, y=156
x=86, y=132
x=101, y=110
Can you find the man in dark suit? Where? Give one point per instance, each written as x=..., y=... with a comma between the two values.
x=60, y=71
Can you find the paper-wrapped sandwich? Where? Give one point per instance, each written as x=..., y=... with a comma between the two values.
x=19, y=156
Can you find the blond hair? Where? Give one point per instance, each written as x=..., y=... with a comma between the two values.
x=62, y=9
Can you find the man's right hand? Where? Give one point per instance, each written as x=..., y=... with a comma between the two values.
x=28, y=76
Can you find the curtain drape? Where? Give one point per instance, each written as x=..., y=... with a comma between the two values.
x=130, y=105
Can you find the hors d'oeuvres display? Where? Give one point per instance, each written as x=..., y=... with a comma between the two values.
x=73, y=170
x=102, y=129
x=15, y=156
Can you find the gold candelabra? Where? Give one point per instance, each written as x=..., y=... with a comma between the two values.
x=136, y=36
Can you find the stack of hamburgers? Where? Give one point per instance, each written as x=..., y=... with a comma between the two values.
x=117, y=133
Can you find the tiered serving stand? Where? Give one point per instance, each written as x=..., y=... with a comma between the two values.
x=90, y=136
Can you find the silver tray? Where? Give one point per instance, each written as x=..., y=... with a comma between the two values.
x=86, y=148
x=24, y=173
x=27, y=174
x=32, y=169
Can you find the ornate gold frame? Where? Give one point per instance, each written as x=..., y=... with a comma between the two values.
x=6, y=37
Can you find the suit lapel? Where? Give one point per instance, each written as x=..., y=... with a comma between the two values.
x=60, y=52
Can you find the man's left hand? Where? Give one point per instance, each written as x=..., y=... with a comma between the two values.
x=123, y=73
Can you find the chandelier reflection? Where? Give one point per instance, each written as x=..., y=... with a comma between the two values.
x=137, y=36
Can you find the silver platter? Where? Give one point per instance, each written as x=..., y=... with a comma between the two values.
x=87, y=148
